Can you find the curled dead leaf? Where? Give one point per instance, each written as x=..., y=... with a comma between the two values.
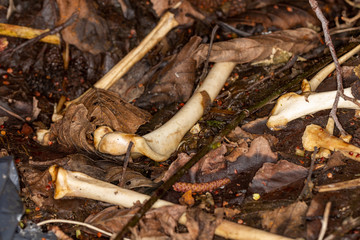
x=97, y=107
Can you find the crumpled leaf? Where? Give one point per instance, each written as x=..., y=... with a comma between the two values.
x=256, y=48
x=175, y=82
x=96, y=108
x=286, y=221
x=89, y=32
x=157, y=222
x=271, y=177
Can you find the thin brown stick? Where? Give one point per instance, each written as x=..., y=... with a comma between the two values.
x=340, y=89
x=206, y=64
x=126, y=162
x=325, y=221
x=309, y=185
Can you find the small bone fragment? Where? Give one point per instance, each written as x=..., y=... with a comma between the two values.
x=291, y=106
x=76, y=184
x=316, y=136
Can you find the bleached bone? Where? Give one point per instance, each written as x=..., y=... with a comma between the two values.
x=76, y=184
x=291, y=106
x=162, y=142
x=316, y=136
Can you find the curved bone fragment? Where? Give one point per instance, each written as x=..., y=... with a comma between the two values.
x=292, y=106
x=316, y=136
x=77, y=184
x=162, y=142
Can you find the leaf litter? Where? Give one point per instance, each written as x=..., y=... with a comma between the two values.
x=256, y=161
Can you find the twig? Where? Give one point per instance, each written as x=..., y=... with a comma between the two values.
x=340, y=89
x=325, y=221
x=206, y=64
x=75, y=223
x=38, y=38
x=126, y=162
x=233, y=29
x=306, y=191
x=12, y=113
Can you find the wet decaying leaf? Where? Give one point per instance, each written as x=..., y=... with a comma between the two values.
x=271, y=177
x=89, y=33
x=257, y=48
x=286, y=221
x=98, y=107
x=156, y=223
x=175, y=82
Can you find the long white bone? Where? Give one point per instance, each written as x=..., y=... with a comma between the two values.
x=292, y=106
x=162, y=142
x=76, y=184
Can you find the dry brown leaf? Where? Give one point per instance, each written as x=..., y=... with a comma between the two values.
x=89, y=32
x=286, y=221
x=96, y=108
x=256, y=48
x=281, y=16
x=175, y=82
